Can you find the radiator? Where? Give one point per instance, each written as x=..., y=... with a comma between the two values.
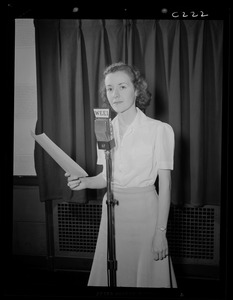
x=193, y=233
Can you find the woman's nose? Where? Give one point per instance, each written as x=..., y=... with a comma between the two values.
x=115, y=93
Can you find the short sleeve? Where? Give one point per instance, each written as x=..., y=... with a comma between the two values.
x=165, y=144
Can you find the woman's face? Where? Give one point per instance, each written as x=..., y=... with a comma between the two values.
x=120, y=91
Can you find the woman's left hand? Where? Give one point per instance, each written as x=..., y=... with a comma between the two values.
x=159, y=245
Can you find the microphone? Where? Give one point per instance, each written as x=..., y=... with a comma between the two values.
x=104, y=129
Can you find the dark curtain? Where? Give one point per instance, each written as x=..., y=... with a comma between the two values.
x=182, y=63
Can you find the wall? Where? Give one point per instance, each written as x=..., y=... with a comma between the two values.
x=25, y=97
x=29, y=230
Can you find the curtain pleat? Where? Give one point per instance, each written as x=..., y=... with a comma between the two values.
x=182, y=63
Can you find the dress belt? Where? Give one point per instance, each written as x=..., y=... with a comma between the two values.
x=133, y=190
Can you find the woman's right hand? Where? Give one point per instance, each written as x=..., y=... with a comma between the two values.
x=76, y=183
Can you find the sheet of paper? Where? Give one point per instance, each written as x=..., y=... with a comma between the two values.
x=66, y=162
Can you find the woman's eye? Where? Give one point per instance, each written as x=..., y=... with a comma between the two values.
x=109, y=90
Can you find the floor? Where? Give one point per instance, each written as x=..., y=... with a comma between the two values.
x=34, y=283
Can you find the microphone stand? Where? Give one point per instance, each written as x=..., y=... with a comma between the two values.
x=112, y=262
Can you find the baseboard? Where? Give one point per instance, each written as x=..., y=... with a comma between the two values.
x=83, y=264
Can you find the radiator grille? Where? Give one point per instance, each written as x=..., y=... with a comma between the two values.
x=193, y=233
x=77, y=227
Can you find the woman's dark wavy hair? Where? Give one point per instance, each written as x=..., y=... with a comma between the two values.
x=143, y=95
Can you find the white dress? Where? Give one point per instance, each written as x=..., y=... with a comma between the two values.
x=146, y=147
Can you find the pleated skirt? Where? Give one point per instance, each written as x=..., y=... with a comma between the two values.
x=135, y=222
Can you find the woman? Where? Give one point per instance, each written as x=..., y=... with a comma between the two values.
x=144, y=151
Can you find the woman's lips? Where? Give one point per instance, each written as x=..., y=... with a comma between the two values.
x=117, y=102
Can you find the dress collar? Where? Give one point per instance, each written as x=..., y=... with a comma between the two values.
x=137, y=122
